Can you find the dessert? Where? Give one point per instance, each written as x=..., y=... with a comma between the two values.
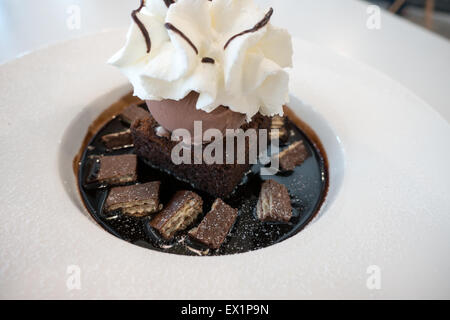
x=214, y=55
x=204, y=74
x=118, y=140
x=307, y=187
x=112, y=170
x=136, y=200
x=218, y=180
x=179, y=213
x=293, y=156
x=216, y=225
x=274, y=203
x=196, y=65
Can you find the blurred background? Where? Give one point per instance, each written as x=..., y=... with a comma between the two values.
x=431, y=14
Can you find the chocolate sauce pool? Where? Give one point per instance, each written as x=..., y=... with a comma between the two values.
x=307, y=186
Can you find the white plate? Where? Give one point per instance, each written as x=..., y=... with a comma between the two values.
x=389, y=207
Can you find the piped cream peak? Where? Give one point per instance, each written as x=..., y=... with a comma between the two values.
x=239, y=61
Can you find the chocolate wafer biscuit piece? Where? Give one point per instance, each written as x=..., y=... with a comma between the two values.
x=138, y=200
x=293, y=156
x=180, y=212
x=281, y=134
x=112, y=170
x=274, y=203
x=132, y=113
x=118, y=140
x=216, y=225
x=278, y=129
x=277, y=122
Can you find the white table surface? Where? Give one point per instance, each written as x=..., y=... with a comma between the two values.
x=418, y=59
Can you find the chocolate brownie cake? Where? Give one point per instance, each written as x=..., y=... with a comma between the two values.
x=219, y=180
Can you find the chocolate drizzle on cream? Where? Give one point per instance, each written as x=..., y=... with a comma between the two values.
x=169, y=2
x=208, y=60
x=141, y=26
x=171, y=27
x=261, y=24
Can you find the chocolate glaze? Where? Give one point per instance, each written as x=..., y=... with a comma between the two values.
x=259, y=25
x=141, y=26
x=315, y=140
x=307, y=186
x=208, y=60
x=171, y=27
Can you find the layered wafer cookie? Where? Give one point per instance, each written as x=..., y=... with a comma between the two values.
x=293, y=156
x=112, y=170
x=118, y=140
x=216, y=225
x=137, y=200
x=274, y=203
x=180, y=212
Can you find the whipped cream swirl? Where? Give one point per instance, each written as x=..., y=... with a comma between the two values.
x=226, y=50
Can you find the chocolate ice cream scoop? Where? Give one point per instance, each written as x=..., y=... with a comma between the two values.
x=172, y=115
